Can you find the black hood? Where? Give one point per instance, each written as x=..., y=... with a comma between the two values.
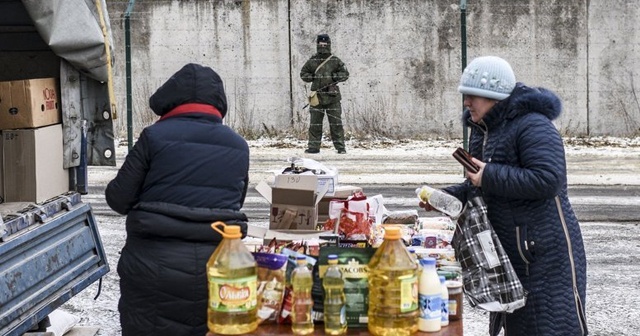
x=193, y=83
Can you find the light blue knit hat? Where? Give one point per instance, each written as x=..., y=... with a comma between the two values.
x=489, y=77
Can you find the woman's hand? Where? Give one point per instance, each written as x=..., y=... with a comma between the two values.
x=476, y=179
x=426, y=206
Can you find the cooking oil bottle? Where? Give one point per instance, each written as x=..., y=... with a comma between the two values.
x=393, y=288
x=302, y=302
x=335, y=313
x=232, y=275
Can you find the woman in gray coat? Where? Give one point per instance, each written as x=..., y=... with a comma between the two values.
x=523, y=181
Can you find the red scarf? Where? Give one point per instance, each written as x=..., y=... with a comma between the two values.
x=192, y=108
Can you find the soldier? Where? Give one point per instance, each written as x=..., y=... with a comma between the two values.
x=324, y=71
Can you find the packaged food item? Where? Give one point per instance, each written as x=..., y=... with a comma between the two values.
x=400, y=217
x=433, y=238
x=353, y=264
x=455, y=299
x=436, y=223
x=271, y=285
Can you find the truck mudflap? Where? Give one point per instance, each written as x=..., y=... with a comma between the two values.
x=47, y=262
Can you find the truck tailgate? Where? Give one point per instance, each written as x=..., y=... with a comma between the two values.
x=45, y=264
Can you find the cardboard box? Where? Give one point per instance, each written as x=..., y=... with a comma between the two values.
x=29, y=103
x=293, y=202
x=327, y=178
x=33, y=164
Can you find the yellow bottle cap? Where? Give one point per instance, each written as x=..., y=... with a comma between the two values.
x=230, y=231
x=392, y=233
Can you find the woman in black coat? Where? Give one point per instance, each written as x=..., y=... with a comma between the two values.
x=185, y=171
x=523, y=181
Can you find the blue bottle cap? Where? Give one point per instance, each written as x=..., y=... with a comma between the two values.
x=428, y=261
x=442, y=279
x=332, y=257
x=301, y=257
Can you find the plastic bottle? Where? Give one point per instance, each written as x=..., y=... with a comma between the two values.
x=444, y=320
x=393, y=288
x=430, y=297
x=440, y=200
x=335, y=314
x=302, y=281
x=232, y=276
x=414, y=255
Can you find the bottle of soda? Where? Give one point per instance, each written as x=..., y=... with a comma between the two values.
x=335, y=315
x=302, y=281
x=440, y=200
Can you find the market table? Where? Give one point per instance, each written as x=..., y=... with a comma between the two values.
x=453, y=329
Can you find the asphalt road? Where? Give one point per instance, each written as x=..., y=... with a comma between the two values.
x=604, y=190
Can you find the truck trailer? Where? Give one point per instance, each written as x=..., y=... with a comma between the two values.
x=56, y=119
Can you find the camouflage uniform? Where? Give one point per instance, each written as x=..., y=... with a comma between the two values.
x=324, y=81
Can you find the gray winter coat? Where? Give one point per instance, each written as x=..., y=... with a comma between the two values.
x=525, y=187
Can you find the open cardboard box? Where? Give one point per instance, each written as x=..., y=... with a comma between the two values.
x=328, y=179
x=294, y=201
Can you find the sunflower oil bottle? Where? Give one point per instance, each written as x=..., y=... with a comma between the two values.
x=232, y=275
x=393, y=288
x=335, y=309
x=302, y=302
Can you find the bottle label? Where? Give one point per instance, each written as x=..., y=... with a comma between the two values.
x=408, y=293
x=430, y=306
x=233, y=295
x=445, y=310
x=453, y=307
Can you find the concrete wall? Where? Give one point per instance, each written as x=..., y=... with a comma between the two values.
x=404, y=57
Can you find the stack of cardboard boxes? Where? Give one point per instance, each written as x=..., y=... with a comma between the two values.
x=299, y=204
x=32, y=168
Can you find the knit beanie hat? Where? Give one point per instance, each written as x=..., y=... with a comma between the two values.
x=323, y=38
x=488, y=77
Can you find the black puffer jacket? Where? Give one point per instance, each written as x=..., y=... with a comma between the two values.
x=184, y=172
x=525, y=187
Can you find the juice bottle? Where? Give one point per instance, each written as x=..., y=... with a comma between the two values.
x=335, y=313
x=430, y=297
x=232, y=275
x=302, y=281
x=393, y=288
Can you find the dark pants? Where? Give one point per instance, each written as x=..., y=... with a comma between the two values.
x=334, y=115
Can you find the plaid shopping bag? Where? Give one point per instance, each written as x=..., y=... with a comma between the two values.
x=489, y=280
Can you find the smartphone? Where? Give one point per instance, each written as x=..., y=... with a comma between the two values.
x=465, y=159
